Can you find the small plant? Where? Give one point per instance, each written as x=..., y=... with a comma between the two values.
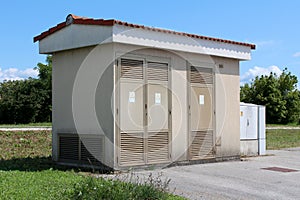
x=123, y=186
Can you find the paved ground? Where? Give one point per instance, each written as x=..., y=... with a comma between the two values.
x=239, y=179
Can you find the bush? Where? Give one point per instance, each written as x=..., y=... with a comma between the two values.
x=278, y=93
x=27, y=101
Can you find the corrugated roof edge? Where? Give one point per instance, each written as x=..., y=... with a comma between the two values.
x=73, y=19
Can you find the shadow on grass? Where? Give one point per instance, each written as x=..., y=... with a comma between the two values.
x=40, y=164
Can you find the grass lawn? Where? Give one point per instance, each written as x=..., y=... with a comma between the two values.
x=27, y=172
x=26, y=125
x=283, y=138
x=46, y=184
x=283, y=125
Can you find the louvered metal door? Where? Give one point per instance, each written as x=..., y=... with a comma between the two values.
x=201, y=145
x=131, y=112
x=144, y=112
x=157, y=112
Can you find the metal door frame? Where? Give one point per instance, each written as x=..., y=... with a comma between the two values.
x=117, y=76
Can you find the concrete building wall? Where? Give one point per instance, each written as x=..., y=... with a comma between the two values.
x=83, y=96
x=64, y=69
x=227, y=95
x=82, y=93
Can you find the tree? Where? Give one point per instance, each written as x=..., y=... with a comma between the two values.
x=45, y=80
x=25, y=101
x=278, y=93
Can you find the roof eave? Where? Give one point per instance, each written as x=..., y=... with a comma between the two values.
x=73, y=19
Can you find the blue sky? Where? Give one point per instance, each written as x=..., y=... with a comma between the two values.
x=272, y=25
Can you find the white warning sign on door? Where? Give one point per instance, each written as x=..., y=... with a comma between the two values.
x=131, y=97
x=201, y=99
x=157, y=98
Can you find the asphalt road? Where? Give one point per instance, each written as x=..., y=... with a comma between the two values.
x=238, y=179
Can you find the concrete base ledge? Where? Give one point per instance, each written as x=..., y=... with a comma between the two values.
x=152, y=166
x=205, y=161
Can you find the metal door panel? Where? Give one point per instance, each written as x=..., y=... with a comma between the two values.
x=157, y=108
x=243, y=122
x=201, y=133
x=252, y=128
x=131, y=107
x=144, y=113
x=201, y=108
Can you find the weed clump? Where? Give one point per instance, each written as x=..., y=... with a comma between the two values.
x=128, y=186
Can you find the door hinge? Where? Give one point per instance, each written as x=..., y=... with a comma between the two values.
x=117, y=111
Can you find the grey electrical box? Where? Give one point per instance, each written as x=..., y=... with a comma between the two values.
x=252, y=129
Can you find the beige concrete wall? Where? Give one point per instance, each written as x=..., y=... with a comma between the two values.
x=227, y=97
x=64, y=70
x=83, y=101
x=82, y=93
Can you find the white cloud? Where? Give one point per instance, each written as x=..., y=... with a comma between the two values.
x=17, y=74
x=258, y=71
x=297, y=54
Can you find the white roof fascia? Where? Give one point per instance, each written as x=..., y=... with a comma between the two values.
x=168, y=41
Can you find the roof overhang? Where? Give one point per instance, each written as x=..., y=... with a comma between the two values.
x=79, y=32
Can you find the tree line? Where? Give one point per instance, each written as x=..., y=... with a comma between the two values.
x=30, y=100
x=278, y=93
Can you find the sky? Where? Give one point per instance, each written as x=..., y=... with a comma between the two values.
x=273, y=25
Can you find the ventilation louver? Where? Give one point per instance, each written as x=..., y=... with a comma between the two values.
x=158, y=147
x=85, y=149
x=201, y=145
x=201, y=75
x=132, y=149
x=132, y=69
x=157, y=71
x=68, y=147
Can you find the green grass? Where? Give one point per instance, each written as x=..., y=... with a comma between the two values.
x=46, y=124
x=53, y=184
x=25, y=144
x=284, y=125
x=27, y=172
x=47, y=184
x=283, y=138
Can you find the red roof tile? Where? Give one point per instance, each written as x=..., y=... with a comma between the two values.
x=110, y=22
